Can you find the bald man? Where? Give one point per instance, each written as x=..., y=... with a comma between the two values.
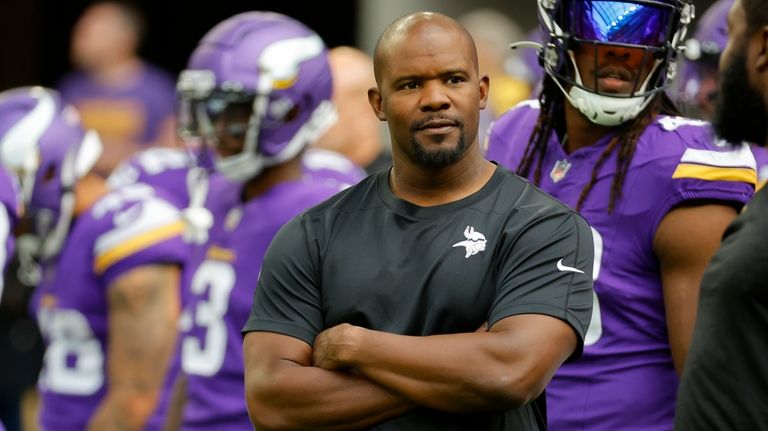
x=441, y=294
x=357, y=133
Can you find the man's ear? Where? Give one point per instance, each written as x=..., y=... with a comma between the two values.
x=485, y=87
x=761, y=37
x=374, y=98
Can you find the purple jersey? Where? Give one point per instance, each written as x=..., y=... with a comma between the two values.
x=626, y=379
x=332, y=168
x=127, y=228
x=167, y=169
x=9, y=214
x=220, y=283
x=163, y=168
x=132, y=112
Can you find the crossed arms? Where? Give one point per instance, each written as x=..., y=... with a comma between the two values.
x=355, y=377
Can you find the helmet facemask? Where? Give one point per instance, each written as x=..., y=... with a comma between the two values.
x=648, y=30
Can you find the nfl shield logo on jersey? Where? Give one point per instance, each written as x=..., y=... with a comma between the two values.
x=559, y=170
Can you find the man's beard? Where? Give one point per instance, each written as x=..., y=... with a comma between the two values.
x=442, y=157
x=740, y=112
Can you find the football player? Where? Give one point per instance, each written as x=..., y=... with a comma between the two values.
x=605, y=139
x=108, y=301
x=257, y=91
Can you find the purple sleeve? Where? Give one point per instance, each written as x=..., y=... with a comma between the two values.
x=331, y=168
x=139, y=233
x=701, y=170
x=509, y=134
x=172, y=251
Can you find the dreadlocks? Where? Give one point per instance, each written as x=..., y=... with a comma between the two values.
x=551, y=117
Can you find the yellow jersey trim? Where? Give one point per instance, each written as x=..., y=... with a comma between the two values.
x=140, y=242
x=713, y=173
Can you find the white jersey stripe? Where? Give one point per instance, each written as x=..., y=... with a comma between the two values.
x=140, y=219
x=740, y=157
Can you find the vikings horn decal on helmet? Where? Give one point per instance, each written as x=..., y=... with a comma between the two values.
x=273, y=68
x=43, y=142
x=657, y=27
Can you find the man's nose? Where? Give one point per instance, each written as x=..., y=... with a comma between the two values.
x=618, y=52
x=434, y=96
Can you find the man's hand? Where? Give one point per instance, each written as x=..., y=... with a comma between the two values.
x=334, y=346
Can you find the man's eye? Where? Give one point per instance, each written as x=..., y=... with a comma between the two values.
x=455, y=80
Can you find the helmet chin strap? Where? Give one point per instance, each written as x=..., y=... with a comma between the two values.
x=198, y=218
x=601, y=109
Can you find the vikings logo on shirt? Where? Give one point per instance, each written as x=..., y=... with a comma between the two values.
x=474, y=244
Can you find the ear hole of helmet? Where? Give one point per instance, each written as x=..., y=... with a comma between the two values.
x=292, y=114
x=49, y=173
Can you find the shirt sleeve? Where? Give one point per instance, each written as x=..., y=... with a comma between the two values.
x=288, y=297
x=145, y=232
x=724, y=175
x=547, y=269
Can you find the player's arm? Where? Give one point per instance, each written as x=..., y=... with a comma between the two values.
x=143, y=311
x=284, y=390
x=685, y=241
x=504, y=368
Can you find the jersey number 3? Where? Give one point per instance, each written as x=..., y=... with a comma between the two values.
x=205, y=356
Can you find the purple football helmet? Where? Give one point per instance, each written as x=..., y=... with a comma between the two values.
x=44, y=144
x=697, y=88
x=266, y=70
x=657, y=27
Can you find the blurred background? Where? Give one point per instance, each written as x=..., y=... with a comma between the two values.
x=34, y=34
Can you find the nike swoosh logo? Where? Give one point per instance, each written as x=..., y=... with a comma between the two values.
x=564, y=268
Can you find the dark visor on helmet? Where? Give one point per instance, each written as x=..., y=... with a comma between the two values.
x=196, y=117
x=632, y=23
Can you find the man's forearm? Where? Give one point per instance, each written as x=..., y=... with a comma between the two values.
x=310, y=397
x=457, y=372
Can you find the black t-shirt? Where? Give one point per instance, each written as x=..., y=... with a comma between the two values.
x=368, y=258
x=725, y=381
